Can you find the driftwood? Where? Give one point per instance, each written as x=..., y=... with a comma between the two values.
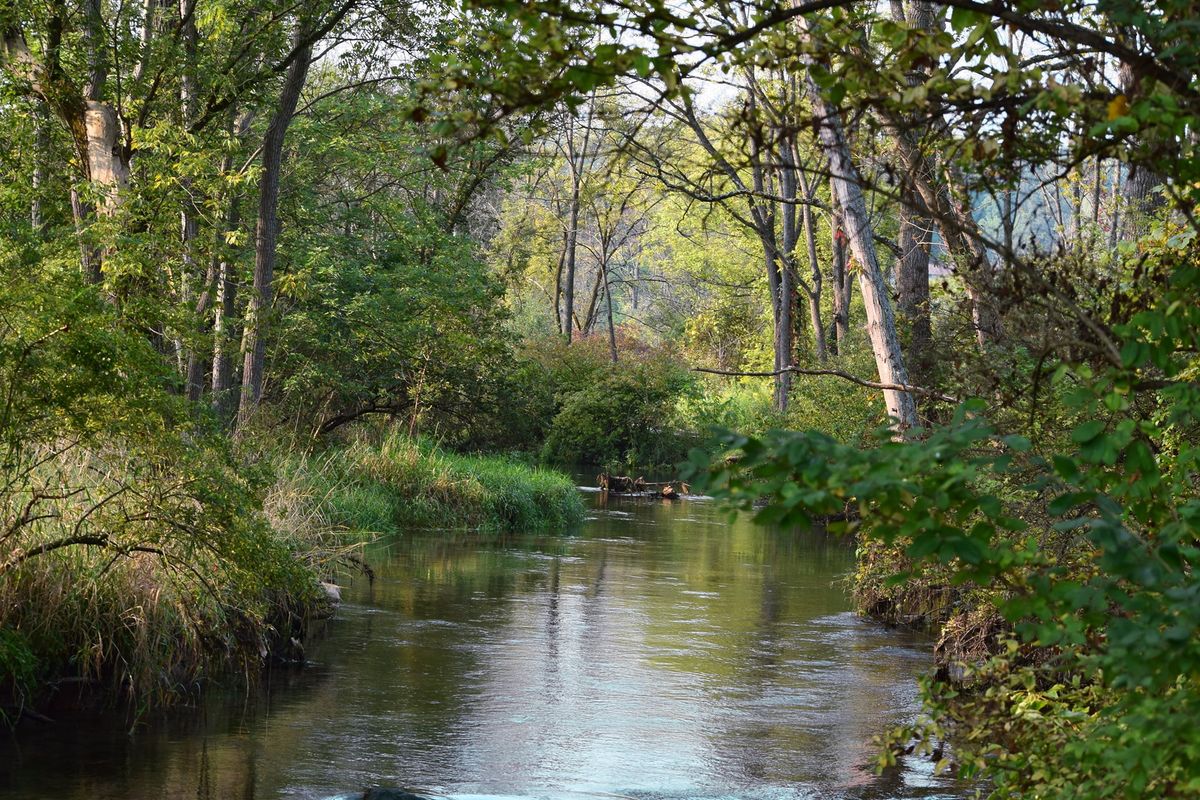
x=625, y=485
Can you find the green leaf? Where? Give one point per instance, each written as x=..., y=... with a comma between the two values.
x=1088, y=431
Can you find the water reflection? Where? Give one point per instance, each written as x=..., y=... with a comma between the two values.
x=661, y=652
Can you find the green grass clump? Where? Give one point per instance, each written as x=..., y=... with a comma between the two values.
x=142, y=572
x=397, y=482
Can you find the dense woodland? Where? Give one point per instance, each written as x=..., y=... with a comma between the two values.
x=926, y=270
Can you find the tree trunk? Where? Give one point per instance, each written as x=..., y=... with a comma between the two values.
x=1140, y=198
x=841, y=281
x=224, y=315
x=573, y=225
x=568, y=324
x=612, y=331
x=195, y=367
x=266, y=236
x=958, y=227
x=814, y=292
x=558, y=284
x=912, y=266
x=961, y=235
x=589, y=320
x=762, y=217
x=763, y=213
x=912, y=281
x=848, y=196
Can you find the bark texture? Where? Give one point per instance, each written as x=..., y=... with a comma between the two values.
x=1139, y=193
x=225, y=289
x=912, y=284
x=881, y=321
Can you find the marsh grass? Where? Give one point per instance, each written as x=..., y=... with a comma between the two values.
x=201, y=572
x=140, y=627
x=392, y=483
x=140, y=575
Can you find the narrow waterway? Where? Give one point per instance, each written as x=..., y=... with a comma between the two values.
x=662, y=652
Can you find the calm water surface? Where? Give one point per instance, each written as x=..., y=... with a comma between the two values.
x=660, y=653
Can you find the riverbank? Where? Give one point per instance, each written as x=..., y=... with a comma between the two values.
x=127, y=616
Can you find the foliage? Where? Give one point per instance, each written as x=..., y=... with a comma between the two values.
x=407, y=333
x=132, y=547
x=622, y=414
x=1091, y=552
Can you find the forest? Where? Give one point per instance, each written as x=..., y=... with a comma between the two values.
x=279, y=279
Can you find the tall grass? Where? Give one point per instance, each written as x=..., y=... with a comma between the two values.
x=397, y=483
x=141, y=573
x=224, y=574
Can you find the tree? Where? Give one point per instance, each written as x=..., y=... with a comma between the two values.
x=267, y=231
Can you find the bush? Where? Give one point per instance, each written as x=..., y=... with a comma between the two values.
x=133, y=549
x=626, y=413
x=834, y=406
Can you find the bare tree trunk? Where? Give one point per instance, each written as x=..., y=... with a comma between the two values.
x=573, y=226
x=813, y=293
x=841, y=283
x=962, y=238
x=789, y=188
x=1140, y=198
x=954, y=219
x=589, y=320
x=881, y=322
x=612, y=331
x=568, y=324
x=224, y=316
x=912, y=267
x=558, y=285
x=785, y=332
x=105, y=163
x=267, y=235
x=779, y=282
x=762, y=219
x=913, y=284
x=194, y=368
x=637, y=284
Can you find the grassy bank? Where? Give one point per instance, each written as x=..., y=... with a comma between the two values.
x=125, y=587
x=398, y=483
x=210, y=572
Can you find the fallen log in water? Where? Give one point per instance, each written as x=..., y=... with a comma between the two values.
x=640, y=487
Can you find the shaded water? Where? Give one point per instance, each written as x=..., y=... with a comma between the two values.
x=660, y=652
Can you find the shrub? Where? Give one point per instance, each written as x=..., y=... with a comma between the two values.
x=626, y=414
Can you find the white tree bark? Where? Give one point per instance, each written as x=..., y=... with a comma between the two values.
x=848, y=197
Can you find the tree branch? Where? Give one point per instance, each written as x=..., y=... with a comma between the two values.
x=837, y=373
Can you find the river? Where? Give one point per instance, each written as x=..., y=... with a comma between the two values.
x=662, y=652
